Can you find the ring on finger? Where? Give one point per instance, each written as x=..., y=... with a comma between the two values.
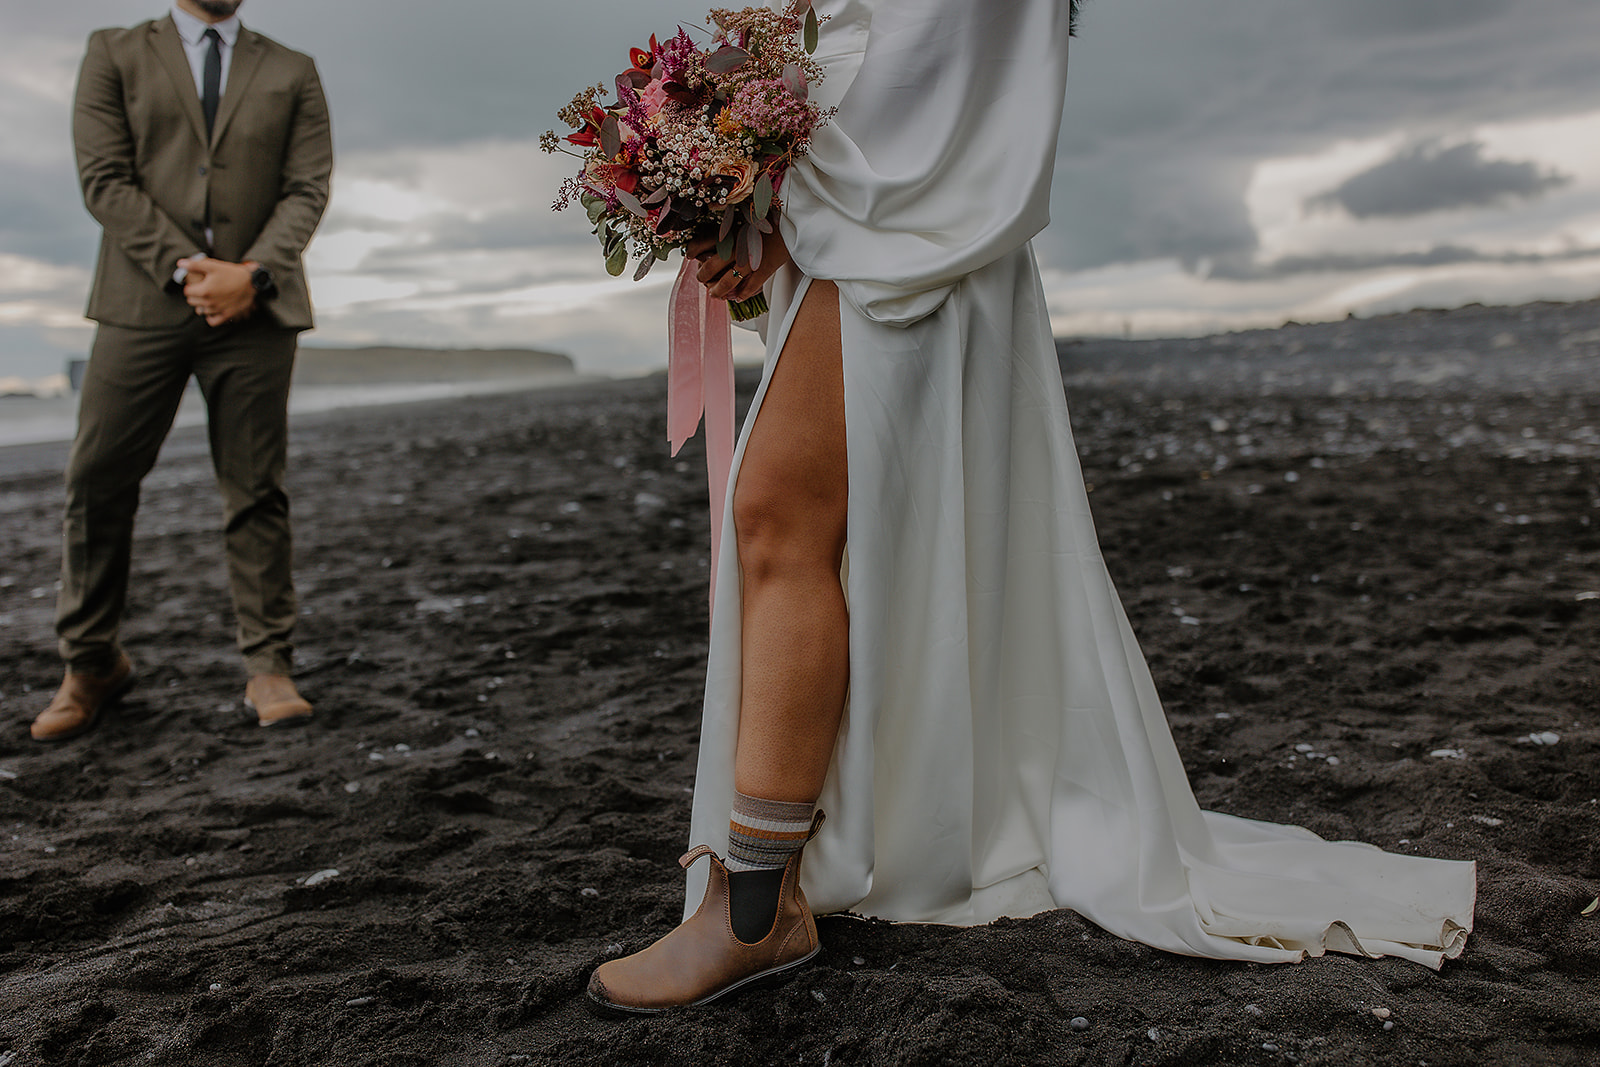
x=735, y=272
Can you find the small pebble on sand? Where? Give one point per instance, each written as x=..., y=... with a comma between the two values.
x=1079, y=1023
x=1382, y=1013
x=322, y=876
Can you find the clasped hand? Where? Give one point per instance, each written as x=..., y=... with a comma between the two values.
x=724, y=280
x=219, y=291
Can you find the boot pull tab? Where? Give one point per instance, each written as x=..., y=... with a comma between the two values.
x=816, y=824
x=695, y=853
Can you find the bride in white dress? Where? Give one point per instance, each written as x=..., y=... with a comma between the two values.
x=914, y=630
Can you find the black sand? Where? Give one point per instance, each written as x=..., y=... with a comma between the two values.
x=504, y=620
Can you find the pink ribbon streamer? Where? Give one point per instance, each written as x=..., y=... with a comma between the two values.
x=700, y=380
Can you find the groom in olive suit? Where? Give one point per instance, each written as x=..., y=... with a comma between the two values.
x=204, y=152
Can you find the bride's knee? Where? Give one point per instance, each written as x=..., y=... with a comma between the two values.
x=779, y=528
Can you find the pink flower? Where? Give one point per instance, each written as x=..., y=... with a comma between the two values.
x=653, y=97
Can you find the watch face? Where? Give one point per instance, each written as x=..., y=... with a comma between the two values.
x=261, y=278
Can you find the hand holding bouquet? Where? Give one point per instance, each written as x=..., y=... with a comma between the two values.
x=697, y=141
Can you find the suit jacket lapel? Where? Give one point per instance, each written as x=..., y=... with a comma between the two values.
x=247, y=53
x=168, y=47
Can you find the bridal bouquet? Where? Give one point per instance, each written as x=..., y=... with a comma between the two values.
x=697, y=142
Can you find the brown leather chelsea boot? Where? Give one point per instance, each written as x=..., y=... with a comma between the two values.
x=702, y=959
x=275, y=701
x=80, y=700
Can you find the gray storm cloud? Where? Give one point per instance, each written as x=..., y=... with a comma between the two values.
x=1239, y=269
x=1170, y=107
x=1431, y=176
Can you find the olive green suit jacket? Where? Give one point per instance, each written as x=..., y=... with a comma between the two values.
x=148, y=172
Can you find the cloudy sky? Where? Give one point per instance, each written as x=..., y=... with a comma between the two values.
x=1222, y=164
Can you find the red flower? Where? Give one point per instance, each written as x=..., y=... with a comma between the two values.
x=589, y=136
x=642, y=58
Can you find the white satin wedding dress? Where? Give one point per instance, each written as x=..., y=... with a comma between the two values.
x=1003, y=749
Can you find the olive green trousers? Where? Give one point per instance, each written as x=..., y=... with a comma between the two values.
x=131, y=390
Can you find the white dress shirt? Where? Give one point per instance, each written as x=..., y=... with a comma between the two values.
x=195, y=45
x=192, y=30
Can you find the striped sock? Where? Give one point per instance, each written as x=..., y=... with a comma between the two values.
x=763, y=834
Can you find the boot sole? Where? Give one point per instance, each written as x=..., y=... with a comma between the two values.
x=112, y=698
x=775, y=976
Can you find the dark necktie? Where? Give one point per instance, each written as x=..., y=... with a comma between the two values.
x=212, y=78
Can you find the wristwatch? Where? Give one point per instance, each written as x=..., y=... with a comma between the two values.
x=261, y=281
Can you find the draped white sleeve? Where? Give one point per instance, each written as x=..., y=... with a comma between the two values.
x=939, y=159
x=1003, y=750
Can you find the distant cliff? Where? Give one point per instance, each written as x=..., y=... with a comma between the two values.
x=388, y=363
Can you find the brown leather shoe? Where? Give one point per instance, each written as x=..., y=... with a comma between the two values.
x=275, y=700
x=80, y=700
x=701, y=960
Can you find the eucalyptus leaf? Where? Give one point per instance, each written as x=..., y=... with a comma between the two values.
x=617, y=259
x=596, y=209
x=631, y=202
x=726, y=226
x=659, y=195
x=752, y=240
x=762, y=196
x=811, y=30
x=794, y=80
x=611, y=137
x=644, y=267
x=725, y=247
x=726, y=59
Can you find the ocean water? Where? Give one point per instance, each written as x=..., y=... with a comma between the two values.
x=51, y=414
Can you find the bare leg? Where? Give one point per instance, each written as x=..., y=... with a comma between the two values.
x=789, y=510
